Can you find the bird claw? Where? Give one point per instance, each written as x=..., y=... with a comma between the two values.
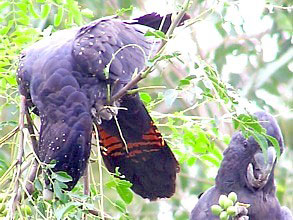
x=242, y=212
x=104, y=112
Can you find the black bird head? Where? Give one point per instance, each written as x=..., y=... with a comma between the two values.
x=244, y=163
x=261, y=167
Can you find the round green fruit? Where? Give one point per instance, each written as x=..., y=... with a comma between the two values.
x=232, y=196
x=232, y=211
x=216, y=209
x=26, y=210
x=2, y=197
x=4, y=213
x=228, y=203
x=222, y=200
x=224, y=215
x=2, y=207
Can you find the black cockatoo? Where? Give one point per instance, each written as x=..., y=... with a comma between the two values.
x=63, y=80
x=246, y=171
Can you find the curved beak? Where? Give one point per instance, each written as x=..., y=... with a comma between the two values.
x=259, y=170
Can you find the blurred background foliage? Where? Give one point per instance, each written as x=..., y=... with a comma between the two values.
x=249, y=44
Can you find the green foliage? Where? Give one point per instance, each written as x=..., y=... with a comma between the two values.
x=200, y=104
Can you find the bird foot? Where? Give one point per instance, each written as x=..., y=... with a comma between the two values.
x=242, y=212
x=104, y=112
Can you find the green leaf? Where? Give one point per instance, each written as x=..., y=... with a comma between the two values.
x=145, y=97
x=122, y=11
x=22, y=40
x=111, y=184
x=5, y=30
x=58, y=17
x=262, y=141
x=170, y=96
x=217, y=153
x=124, y=183
x=87, y=13
x=210, y=158
x=275, y=143
x=235, y=123
x=52, y=164
x=62, y=176
x=3, y=167
x=76, y=12
x=197, y=143
x=156, y=34
x=120, y=205
x=58, y=190
x=3, y=5
x=60, y=212
x=58, y=186
x=22, y=6
x=32, y=10
x=45, y=10
x=22, y=18
x=38, y=185
x=184, y=82
x=191, y=161
x=125, y=193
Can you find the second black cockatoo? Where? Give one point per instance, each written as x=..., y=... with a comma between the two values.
x=246, y=171
x=64, y=81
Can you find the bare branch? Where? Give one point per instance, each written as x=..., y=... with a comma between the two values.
x=149, y=69
x=17, y=191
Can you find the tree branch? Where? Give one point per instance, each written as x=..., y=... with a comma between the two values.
x=17, y=191
x=149, y=69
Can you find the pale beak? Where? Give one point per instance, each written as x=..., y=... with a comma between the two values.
x=259, y=172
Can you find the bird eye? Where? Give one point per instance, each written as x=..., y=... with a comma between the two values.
x=245, y=143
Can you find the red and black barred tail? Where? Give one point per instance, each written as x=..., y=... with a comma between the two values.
x=147, y=161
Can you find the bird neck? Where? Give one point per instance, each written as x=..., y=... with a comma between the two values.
x=231, y=176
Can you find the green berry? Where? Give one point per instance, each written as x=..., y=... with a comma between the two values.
x=216, y=209
x=228, y=203
x=4, y=213
x=2, y=197
x=26, y=210
x=232, y=211
x=222, y=200
x=2, y=208
x=233, y=196
x=224, y=216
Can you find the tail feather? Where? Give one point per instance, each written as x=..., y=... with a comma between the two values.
x=154, y=20
x=147, y=161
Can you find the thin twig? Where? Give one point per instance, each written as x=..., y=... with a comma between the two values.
x=9, y=135
x=35, y=167
x=32, y=176
x=149, y=69
x=133, y=91
x=30, y=127
x=86, y=185
x=86, y=181
x=101, y=173
x=17, y=191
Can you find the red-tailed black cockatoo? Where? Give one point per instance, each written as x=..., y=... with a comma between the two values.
x=63, y=80
x=248, y=172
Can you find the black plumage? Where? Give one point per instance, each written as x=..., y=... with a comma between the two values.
x=64, y=81
x=233, y=175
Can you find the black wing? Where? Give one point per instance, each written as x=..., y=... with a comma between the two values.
x=147, y=161
x=45, y=77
